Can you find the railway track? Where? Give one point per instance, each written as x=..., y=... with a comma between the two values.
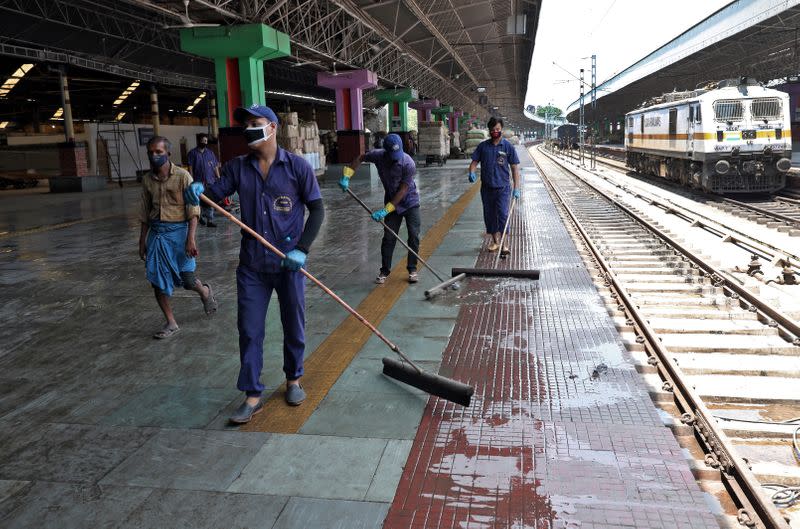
x=779, y=212
x=722, y=362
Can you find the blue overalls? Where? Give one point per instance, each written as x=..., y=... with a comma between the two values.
x=273, y=207
x=495, y=162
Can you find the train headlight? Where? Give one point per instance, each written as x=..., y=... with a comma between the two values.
x=722, y=167
x=783, y=165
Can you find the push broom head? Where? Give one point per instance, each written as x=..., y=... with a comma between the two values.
x=445, y=388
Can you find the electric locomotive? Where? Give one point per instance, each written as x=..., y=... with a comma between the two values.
x=728, y=137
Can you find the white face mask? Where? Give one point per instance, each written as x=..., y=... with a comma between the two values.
x=256, y=135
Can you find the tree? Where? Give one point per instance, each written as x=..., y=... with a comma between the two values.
x=548, y=111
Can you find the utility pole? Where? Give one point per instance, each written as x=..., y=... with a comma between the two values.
x=582, y=122
x=595, y=130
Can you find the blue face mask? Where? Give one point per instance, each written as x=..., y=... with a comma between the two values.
x=157, y=160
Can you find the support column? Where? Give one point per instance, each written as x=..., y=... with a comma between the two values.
x=398, y=100
x=212, y=102
x=154, y=115
x=423, y=108
x=349, y=87
x=69, y=128
x=440, y=113
x=239, y=53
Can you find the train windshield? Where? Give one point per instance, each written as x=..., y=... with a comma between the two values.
x=766, y=108
x=728, y=110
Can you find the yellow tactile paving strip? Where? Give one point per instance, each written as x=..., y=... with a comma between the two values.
x=333, y=355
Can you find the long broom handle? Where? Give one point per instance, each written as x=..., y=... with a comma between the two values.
x=505, y=229
x=313, y=279
x=439, y=276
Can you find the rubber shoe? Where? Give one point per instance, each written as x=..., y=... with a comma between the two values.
x=295, y=395
x=413, y=277
x=381, y=279
x=245, y=412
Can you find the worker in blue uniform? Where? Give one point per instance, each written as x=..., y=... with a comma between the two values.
x=275, y=188
x=396, y=170
x=499, y=162
x=204, y=168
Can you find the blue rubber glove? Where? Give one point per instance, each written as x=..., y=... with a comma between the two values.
x=192, y=193
x=379, y=215
x=516, y=194
x=472, y=177
x=294, y=260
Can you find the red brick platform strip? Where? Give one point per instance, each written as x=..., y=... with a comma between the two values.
x=561, y=432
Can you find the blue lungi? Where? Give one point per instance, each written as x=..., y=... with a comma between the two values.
x=166, y=255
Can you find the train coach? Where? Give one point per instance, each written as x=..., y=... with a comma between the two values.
x=730, y=137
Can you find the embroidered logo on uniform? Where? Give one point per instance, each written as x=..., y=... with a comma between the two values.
x=501, y=158
x=395, y=147
x=282, y=204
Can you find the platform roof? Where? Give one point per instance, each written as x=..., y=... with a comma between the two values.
x=756, y=38
x=446, y=49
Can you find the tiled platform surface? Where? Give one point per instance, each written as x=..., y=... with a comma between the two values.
x=562, y=433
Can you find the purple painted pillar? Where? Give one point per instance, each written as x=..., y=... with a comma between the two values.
x=423, y=108
x=349, y=108
x=454, y=120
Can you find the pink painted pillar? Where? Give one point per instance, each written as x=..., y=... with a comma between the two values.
x=349, y=86
x=423, y=108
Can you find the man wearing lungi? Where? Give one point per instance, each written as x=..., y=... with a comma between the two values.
x=167, y=240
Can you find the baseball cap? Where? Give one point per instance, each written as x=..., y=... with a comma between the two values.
x=393, y=146
x=241, y=113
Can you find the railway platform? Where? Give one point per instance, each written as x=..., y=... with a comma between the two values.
x=105, y=427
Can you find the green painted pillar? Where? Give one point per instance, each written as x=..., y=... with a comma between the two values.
x=440, y=114
x=398, y=100
x=239, y=53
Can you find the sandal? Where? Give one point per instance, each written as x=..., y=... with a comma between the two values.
x=505, y=252
x=210, y=304
x=493, y=246
x=166, y=332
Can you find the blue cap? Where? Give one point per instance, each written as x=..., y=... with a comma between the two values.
x=240, y=114
x=393, y=146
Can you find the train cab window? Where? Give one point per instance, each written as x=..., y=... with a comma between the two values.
x=630, y=122
x=641, y=123
x=697, y=117
x=673, y=121
x=691, y=113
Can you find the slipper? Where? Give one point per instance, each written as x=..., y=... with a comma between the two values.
x=493, y=246
x=166, y=332
x=505, y=252
x=210, y=304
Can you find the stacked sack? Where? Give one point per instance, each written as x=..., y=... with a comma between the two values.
x=474, y=138
x=433, y=139
x=512, y=138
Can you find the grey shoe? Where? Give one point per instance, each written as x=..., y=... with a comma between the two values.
x=295, y=395
x=245, y=412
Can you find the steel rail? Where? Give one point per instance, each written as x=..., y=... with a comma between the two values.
x=785, y=324
x=762, y=211
x=733, y=235
x=736, y=474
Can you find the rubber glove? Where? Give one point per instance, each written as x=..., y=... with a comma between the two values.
x=192, y=193
x=379, y=215
x=344, y=181
x=294, y=260
x=472, y=177
x=516, y=194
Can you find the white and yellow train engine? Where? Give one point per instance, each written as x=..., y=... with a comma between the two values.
x=733, y=137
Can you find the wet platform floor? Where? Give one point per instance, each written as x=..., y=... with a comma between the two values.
x=101, y=426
